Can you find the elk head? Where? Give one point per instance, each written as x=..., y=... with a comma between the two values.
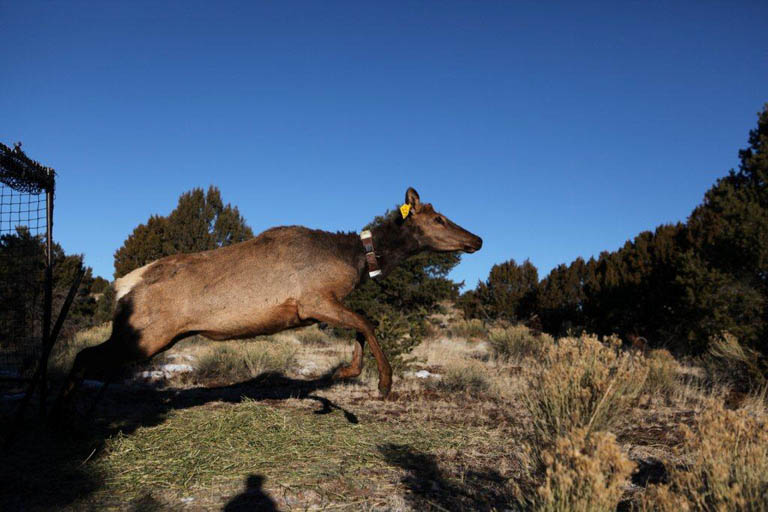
x=434, y=231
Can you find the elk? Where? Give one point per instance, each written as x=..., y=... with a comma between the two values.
x=286, y=277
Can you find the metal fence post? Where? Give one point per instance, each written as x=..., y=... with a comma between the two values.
x=48, y=300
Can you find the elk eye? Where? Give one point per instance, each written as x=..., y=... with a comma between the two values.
x=440, y=220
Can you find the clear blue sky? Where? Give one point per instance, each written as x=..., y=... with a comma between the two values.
x=552, y=130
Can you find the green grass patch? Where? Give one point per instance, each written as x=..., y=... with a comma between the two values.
x=198, y=448
x=207, y=452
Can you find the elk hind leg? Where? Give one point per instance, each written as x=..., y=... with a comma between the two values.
x=98, y=361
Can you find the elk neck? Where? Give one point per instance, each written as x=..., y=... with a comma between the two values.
x=392, y=244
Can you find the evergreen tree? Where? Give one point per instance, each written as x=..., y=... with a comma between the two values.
x=471, y=304
x=725, y=274
x=561, y=297
x=200, y=222
x=681, y=284
x=22, y=266
x=22, y=278
x=509, y=293
x=99, y=285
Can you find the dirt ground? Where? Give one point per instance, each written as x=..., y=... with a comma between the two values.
x=300, y=441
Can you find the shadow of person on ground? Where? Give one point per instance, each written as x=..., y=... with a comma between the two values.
x=430, y=488
x=48, y=468
x=252, y=498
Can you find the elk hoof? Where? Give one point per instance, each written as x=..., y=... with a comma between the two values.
x=340, y=373
x=346, y=372
x=384, y=390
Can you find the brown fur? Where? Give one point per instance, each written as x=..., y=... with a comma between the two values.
x=286, y=277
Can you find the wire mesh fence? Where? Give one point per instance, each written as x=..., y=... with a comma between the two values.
x=21, y=210
x=26, y=188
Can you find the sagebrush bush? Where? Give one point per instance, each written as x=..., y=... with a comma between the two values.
x=582, y=383
x=242, y=360
x=468, y=377
x=663, y=371
x=733, y=363
x=467, y=329
x=725, y=464
x=585, y=472
x=517, y=342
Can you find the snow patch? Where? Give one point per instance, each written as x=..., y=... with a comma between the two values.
x=165, y=371
x=423, y=374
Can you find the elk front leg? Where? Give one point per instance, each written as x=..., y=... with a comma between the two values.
x=354, y=368
x=331, y=311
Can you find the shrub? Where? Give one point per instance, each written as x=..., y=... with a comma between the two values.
x=470, y=378
x=473, y=328
x=584, y=473
x=517, y=342
x=238, y=361
x=731, y=362
x=583, y=383
x=662, y=373
x=725, y=468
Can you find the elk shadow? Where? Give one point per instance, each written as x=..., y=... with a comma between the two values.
x=267, y=386
x=428, y=487
x=48, y=468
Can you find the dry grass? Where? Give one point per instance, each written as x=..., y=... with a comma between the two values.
x=724, y=464
x=584, y=473
x=447, y=351
x=731, y=362
x=467, y=329
x=471, y=378
x=231, y=361
x=313, y=336
x=756, y=402
x=663, y=374
x=235, y=361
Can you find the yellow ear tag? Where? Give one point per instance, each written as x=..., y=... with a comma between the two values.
x=405, y=210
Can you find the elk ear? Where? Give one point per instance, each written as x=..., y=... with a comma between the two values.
x=412, y=198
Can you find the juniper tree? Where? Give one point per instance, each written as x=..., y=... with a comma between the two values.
x=201, y=221
x=725, y=275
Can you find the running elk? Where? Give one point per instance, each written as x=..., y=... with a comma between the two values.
x=284, y=278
